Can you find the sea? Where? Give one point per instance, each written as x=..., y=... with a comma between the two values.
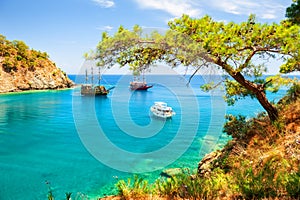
x=60, y=141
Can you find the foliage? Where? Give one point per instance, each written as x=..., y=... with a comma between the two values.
x=234, y=47
x=259, y=183
x=292, y=94
x=293, y=12
x=8, y=65
x=187, y=186
x=275, y=82
x=17, y=54
x=293, y=184
x=168, y=187
x=68, y=195
x=137, y=189
x=236, y=126
x=234, y=92
x=294, y=91
x=50, y=191
x=247, y=182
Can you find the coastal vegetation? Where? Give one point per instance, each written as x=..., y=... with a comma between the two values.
x=22, y=68
x=16, y=54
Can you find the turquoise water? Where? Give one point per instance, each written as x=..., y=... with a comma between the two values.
x=81, y=144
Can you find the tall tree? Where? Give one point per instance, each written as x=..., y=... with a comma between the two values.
x=240, y=50
x=293, y=12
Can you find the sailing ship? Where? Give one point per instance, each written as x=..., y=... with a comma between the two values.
x=91, y=89
x=136, y=84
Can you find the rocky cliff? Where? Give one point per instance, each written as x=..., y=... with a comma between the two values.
x=22, y=69
x=46, y=76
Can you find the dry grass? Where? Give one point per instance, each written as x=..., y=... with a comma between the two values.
x=144, y=198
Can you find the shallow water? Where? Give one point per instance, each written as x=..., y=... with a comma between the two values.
x=81, y=144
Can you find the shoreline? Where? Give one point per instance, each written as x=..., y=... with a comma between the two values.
x=35, y=91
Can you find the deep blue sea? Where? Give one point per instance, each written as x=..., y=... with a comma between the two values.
x=72, y=143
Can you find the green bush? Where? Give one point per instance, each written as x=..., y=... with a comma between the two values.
x=265, y=182
x=188, y=186
x=136, y=189
x=294, y=92
x=167, y=186
x=8, y=66
x=293, y=185
x=236, y=126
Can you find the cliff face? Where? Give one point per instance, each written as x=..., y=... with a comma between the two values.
x=44, y=76
x=22, y=68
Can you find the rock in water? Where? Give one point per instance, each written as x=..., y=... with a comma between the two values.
x=171, y=172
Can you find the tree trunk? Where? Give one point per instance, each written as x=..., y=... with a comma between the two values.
x=271, y=110
x=260, y=94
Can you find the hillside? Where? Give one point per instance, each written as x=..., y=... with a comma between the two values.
x=263, y=158
x=22, y=69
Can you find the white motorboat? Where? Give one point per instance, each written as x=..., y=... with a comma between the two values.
x=161, y=109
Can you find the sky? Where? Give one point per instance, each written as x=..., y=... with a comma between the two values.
x=66, y=29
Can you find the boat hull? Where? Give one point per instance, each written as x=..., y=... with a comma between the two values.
x=88, y=90
x=162, y=116
x=136, y=85
x=146, y=87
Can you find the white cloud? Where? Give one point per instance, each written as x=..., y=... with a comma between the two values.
x=174, y=7
x=265, y=9
x=105, y=3
x=269, y=16
x=105, y=28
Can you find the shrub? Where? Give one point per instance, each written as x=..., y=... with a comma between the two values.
x=294, y=92
x=236, y=126
x=264, y=182
x=139, y=188
x=167, y=186
x=188, y=186
x=293, y=184
x=8, y=66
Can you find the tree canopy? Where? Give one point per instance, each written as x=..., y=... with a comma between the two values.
x=293, y=12
x=15, y=54
x=242, y=51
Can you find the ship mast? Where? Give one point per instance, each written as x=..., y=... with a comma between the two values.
x=86, y=76
x=92, y=76
x=99, y=76
x=143, y=76
x=143, y=69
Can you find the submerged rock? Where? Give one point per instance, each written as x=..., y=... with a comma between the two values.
x=171, y=172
